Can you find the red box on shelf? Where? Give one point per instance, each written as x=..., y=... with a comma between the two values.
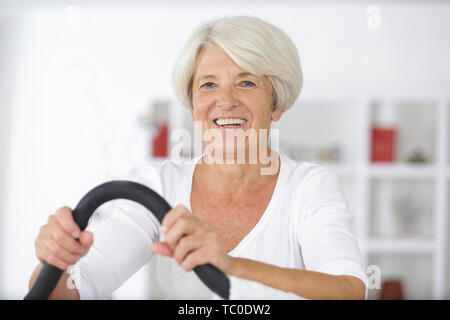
x=383, y=144
x=160, y=141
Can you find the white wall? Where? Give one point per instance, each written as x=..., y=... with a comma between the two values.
x=78, y=87
x=8, y=31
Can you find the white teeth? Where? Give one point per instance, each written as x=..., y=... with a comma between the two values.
x=224, y=122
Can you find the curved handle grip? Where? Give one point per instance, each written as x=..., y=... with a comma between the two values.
x=212, y=277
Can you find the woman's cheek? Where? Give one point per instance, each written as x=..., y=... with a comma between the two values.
x=202, y=98
x=202, y=106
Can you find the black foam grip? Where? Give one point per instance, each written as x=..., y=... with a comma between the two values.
x=212, y=277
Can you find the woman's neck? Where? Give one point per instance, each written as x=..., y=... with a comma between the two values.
x=231, y=180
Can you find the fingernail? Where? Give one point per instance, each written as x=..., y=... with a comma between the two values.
x=163, y=229
x=75, y=234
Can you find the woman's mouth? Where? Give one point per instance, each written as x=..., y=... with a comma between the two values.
x=229, y=122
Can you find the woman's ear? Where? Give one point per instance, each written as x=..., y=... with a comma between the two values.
x=276, y=114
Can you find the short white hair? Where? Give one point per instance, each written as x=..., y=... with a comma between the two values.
x=254, y=45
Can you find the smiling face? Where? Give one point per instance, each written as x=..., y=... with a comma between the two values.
x=227, y=97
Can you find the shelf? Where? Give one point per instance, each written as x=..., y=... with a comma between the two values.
x=388, y=170
x=410, y=246
x=414, y=128
x=401, y=209
x=309, y=135
x=413, y=271
x=448, y=172
x=399, y=170
x=374, y=170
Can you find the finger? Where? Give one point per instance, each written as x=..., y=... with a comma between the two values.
x=162, y=248
x=48, y=257
x=65, y=219
x=58, y=251
x=38, y=245
x=57, y=254
x=182, y=227
x=86, y=240
x=186, y=245
x=64, y=239
x=195, y=258
x=173, y=215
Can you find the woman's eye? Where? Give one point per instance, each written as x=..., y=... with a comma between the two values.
x=208, y=85
x=247, y=83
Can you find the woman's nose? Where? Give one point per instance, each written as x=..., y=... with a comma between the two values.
x=226, y=99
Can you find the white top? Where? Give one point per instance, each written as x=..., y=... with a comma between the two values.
x=306, y=225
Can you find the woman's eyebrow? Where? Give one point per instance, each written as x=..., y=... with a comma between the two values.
x=244, y=74
x=208, y=76
x=211, y=76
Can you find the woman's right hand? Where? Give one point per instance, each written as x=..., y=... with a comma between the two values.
x=57, y=242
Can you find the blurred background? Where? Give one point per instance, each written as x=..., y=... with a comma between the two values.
x=85, y=97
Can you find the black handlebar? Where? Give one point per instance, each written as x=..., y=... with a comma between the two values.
x=212, y=277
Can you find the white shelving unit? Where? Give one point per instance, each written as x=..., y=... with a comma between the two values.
x=361, y=173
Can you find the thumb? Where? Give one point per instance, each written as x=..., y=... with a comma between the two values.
x=86, y=239
x=162, y=248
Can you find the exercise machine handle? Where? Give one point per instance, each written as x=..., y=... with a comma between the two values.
x=49, y=276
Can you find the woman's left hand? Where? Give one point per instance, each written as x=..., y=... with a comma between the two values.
x=190, y=242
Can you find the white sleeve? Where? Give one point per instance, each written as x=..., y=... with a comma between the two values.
x=324, y=232
x=122, y=245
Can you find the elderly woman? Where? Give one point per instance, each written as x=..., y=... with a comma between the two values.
x=282, y=235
